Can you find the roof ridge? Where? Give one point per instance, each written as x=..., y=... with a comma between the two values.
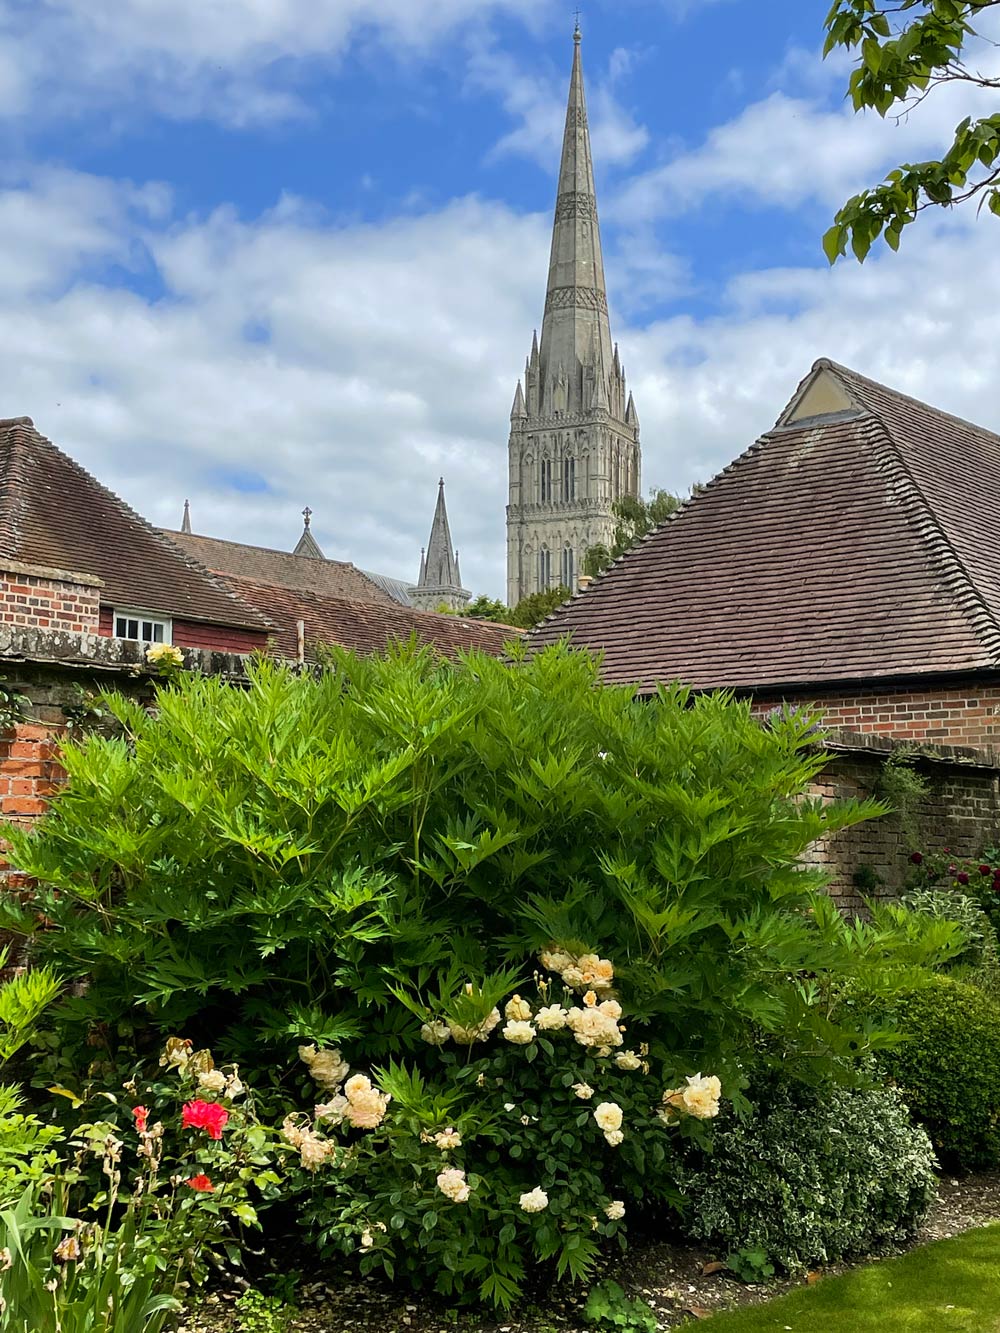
x=930, y=531
x=133, y=517
x=250, y=546
x=839, y=369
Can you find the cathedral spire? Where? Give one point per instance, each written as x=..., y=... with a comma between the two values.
x=576, y=301
x=186, y=520
x=440, y=583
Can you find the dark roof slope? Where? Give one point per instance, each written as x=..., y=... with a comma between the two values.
x=857, y=541
x=365, y=627
x=54, y=513
x=333, y=578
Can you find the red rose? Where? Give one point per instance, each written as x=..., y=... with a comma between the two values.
x=952, y=868
x=141, y=1116
x=962, y=877
x=917, y=857
x=209, y=1116
x=200, y=1183
x=985, y=870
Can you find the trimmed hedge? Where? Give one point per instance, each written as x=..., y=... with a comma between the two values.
x=949, y=1069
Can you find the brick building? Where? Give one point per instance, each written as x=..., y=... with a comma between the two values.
x=849, y=561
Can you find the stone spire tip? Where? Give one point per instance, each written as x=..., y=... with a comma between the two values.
x=186, y=520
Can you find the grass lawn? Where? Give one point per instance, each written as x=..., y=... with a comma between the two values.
x=951, y=1286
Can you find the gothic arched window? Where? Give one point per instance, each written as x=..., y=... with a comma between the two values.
x=545, y=480
x=569, y=478
x=544, y=568
x=568, y=571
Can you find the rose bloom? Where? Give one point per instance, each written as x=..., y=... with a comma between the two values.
x=551, y=1018
x=326, y=1066
x=534, y=1201
x=584, y=1091
x=627, y=1060
x=453, y=1185
x=213, y=1080
x=556, y=960
x=615, y=1210
x=209, y=1116
x=614, y=1137
x=701, y=1096
x=608, y=1115
x=573, y=977
x=201, y=1183
x=519, y=1033
x=447, y=1139
x=333, y=1110
x=435, y=1033
x=141, y=1116
x=518, y=1010
x=916, y=858
x=366, y=1106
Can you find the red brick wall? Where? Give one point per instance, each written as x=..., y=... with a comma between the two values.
x=952, y=715
x=29, y=771
x=46, y=600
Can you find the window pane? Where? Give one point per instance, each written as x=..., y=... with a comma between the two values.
x=133, y=629
x=157, y=632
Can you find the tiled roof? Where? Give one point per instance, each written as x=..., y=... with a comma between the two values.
x=398, y=589
x=365, y=627
x=857, y=540
x=54, y=513
x=333, y=578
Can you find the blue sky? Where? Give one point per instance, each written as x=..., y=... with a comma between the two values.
x=265, y=253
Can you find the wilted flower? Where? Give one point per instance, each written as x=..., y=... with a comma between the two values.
x=212, y=1080
x=453, y=1185
x=614, y=1137
x=534, y=1201
x=615, y=1210
x=627, y=1060
x=584, y=1091
x=519, y=1033
x=556, y=960
x=326, y=1066
x=333, y=1110
x=6, y=1259
x=435, y=1033
x=447, y=1139
x=68, y=1250
x=518, y=1010
x=176, y=1054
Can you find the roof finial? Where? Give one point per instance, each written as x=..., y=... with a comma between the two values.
x=186, y=520
x=307, y=514
x=576, y=26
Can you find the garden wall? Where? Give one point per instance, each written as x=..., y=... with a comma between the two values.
x=961, y=811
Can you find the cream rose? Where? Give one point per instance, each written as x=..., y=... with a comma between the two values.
x=701, y=1096
x=453, y=1185
x=519, y=1033
x=551, y=1018
x=435, y=1033
x=584, y=1091
x=628, y=1060
x=615, y=1210
x=614, y=1137
x=534, y=1201
x=517, y=1010
x=608, y=1116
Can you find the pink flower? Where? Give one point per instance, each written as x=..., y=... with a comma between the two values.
x=141, y=1116
x=209, y=1116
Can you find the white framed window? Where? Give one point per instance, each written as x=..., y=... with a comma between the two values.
x=142, y=626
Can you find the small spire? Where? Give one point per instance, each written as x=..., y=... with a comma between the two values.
x=307, y=544
x=518, y=409
x=186, y=520
x=439, y=580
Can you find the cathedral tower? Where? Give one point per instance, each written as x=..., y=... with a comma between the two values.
x=574, y=432
x=439, y=583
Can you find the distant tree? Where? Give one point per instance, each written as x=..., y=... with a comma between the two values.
x=530, y=610
x=486, y=608
x=907, y=49
x=634, y=518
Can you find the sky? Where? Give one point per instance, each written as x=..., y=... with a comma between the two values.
x=265, y=254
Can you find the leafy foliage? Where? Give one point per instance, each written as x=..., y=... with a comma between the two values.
x=256, y=866
x=906, y=50
x=634, y=519
x=488, y=608
x=14, y=706
x=903, y=789
x=810, y=1175
x=608, y=1307
x=949, y=1069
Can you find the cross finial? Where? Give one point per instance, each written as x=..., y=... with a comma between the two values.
x=307, y=514
x=576, y=25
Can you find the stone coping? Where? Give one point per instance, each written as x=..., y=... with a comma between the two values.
x=841, y=740
x=98, y=652
x=49, y=572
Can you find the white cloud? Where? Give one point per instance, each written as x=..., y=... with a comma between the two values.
x=229, y=60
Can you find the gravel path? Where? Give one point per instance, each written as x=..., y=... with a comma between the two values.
x=671, y=1277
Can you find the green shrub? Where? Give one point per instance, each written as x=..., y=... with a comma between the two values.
x=949, y=1070
x=811, y=1175
x=980, y=949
